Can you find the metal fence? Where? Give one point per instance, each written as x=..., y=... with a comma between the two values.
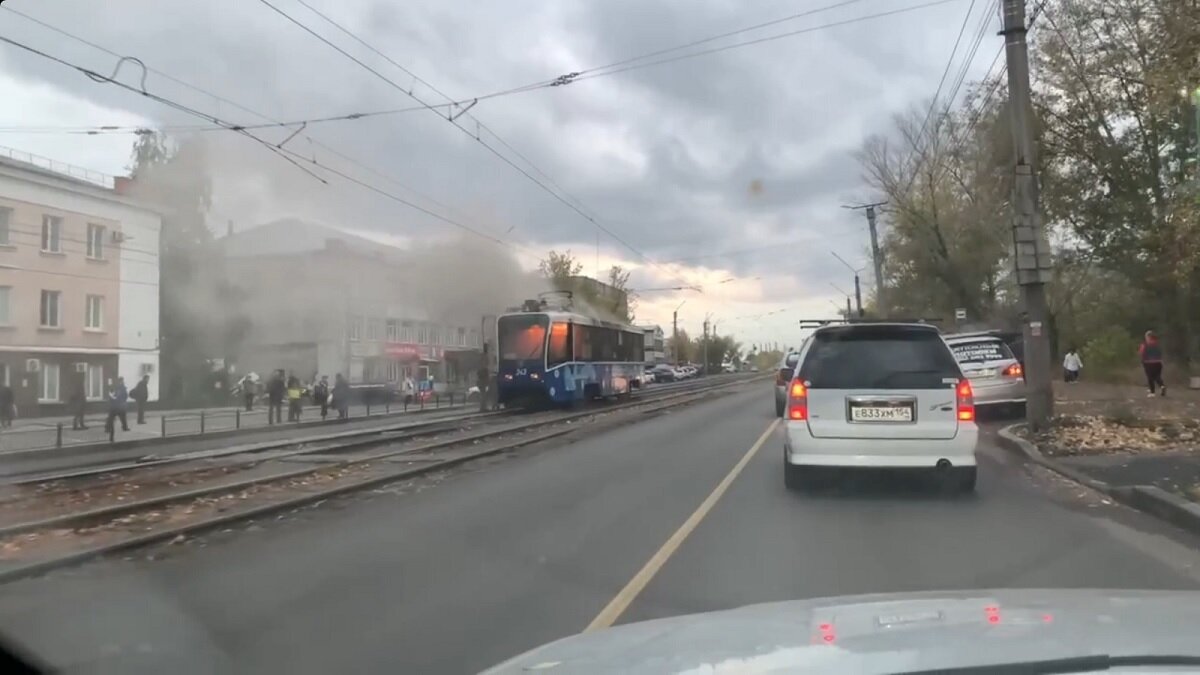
x=47, y=436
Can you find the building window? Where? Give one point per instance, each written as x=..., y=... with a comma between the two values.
x=52, y=234
x=422, y=334
x=51, y=313
x=393, y=331
x=354, y=330
x=393, y=371
x=435, y=335
x=94, y=382
x=4, y=374
x=48, y=382
x=5, y=226
x=5, y=305
x=406, y=332
x=373, y=329
x=462, y=337
x=95, y=241
x=94, y=314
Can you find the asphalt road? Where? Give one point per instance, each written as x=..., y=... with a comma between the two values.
x=455, y=572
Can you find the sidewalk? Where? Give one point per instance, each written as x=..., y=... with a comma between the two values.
x=43, y=432
x=1116, y=434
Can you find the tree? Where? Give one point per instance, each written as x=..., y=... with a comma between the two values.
x=679, y=347
x=618, y=278
x=559, y=266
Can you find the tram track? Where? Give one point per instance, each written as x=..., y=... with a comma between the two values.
x=266, y=484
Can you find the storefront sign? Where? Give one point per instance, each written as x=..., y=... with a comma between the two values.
x=403, y=351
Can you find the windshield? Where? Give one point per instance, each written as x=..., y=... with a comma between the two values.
x=879, y=358
x=522, y=338
x=980, y=351
x=354, y=336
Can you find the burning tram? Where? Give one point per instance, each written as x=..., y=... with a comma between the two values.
x=559, y=357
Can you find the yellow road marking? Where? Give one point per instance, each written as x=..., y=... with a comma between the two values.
x=617, y=606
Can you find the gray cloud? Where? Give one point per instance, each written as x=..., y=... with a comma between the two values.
x=727, y=151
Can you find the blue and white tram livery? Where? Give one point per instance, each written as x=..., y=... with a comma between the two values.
x=560, y=357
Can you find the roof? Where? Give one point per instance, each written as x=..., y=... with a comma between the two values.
x=292, y=236
x=68, y=177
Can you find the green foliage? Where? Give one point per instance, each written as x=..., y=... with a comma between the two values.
x=559, y=266
x=1109, y=353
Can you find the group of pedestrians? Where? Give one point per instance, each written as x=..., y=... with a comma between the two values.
x=282, y=387
x=1150, y=353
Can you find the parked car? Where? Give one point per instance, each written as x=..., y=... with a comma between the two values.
x=880, y=396
x=664, y=373
x=783, y=375
x=995, y=372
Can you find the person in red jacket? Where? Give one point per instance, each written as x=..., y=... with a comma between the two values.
x=1151, y=354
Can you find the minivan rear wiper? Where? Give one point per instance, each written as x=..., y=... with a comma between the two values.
x=1071, y=664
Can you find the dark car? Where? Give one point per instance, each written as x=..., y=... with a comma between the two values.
x=663, y=373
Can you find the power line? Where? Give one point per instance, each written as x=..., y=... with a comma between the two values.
x=769, y=38
x=945, y=71
x=5, y=267
x=291, y=156
x=452, y=119
x=217, y=97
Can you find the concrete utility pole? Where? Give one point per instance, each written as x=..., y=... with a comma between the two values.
x=675, y=333
x=705, y=345
x=1030, y=246
x=876, y=256
x=857, y=287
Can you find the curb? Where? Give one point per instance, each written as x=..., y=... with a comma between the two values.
x=1149, y=499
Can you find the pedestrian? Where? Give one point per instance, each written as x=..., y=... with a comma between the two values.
x=248, y=391
x=8, y=408
x=341, y=396
x=140, y=394
x=409, y=388
x=76, y=403
x=294, y=393
x=276, y=389
x=321, y=395
x=1151, y=354
x=118, y=399
x=1072, y=364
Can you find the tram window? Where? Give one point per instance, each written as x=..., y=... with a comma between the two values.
x=560, y=343
x=583, y=342
x=522, y=337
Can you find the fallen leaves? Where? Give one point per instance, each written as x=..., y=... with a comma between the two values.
x=1094, y=434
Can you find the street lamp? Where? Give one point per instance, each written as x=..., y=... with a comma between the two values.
x=675, y=333
x=857, y=286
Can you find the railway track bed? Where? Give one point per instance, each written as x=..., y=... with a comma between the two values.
x=60, y=522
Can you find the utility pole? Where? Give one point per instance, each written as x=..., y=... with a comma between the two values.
x=675, y=337
x=876, y=256
x=706, y=345
x=1031, y=249
x=849, y=311
x=858, y=296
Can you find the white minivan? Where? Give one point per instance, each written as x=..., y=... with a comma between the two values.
x=880, y=396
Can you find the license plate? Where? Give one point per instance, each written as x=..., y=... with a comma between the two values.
x=981, y=374
x=870, y=413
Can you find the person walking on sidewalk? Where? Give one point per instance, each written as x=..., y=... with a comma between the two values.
x=1151, y=354
x=77, y=403
x=7, y=406
x=141, y=394
x=276, y=390
x=248, y=390
x=118, y=399
x=1072, y=364
x=321, y=395
x=294, y=393
x=341, y=396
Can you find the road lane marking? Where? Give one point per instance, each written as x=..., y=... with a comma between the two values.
x=617, y=606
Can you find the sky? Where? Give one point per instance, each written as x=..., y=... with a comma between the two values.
x=724, y=171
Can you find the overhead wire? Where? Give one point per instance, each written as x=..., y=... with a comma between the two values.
x=221, y=99
x=292, y=156
x=558, y=192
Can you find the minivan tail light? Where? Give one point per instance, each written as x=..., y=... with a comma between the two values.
x=1014, y=370
x=797, y=401
x=966, y=401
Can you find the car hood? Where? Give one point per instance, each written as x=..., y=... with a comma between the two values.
x=885, y=634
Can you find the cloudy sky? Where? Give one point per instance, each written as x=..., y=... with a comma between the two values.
x=724, y=167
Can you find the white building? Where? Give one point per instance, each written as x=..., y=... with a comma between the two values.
x=655, y=346
x=79, y=275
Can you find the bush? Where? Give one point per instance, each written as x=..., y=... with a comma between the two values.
x=1110, y=353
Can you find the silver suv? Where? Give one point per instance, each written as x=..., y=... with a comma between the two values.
x=879, y=395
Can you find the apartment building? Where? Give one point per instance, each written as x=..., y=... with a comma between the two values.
x=79, y=277
x=655, y=346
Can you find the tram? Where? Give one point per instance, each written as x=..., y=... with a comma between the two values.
x=561, y=357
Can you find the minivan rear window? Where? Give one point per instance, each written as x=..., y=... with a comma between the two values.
x=980, y=351
x=884, y=357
